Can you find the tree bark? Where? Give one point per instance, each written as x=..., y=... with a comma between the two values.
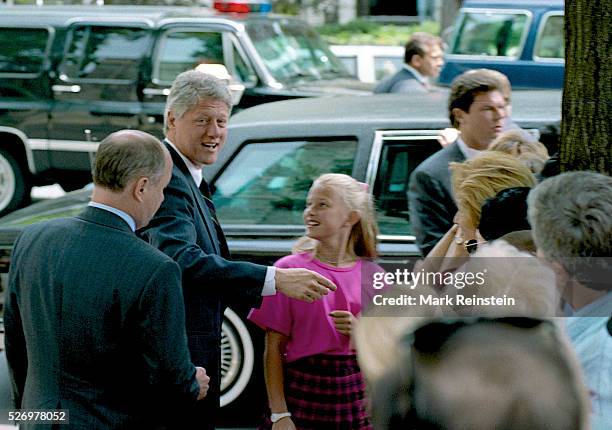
x=587, y=93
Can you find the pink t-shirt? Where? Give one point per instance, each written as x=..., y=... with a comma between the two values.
x=309, y=327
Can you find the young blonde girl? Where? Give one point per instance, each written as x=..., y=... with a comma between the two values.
x=312, y=376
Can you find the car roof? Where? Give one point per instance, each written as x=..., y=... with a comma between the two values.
x=62, y=15
x=512, y=4
x=390, y=111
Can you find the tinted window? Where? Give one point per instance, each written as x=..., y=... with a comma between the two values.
x=350, y=63
x=109, y=53
x=184, y=50
x=495, y=34
x=398, y=160
x=22, y=50
x=293, y=52
x=267, y=183
x=550, y=43
x=386, y=66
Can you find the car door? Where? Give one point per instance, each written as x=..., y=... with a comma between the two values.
x=183, y=47
x=96, y=89
x=394, y=156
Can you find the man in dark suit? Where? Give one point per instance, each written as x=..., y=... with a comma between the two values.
x=423, y=59
x=477, y=108
x=94, y=315
x=186, y=228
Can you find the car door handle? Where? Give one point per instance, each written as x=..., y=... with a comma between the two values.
x=66, y=88
x=156, y=91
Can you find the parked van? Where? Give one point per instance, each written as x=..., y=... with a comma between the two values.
x=524, y=39
x=70, y=75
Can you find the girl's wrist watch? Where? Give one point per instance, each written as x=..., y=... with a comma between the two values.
x=277, y=417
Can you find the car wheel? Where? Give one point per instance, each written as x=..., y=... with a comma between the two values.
x=13, y=188
x=237, y=357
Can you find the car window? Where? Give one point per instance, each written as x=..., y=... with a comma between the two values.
x=182, y=50
x=397, y=161
x=350, y=63
x=243, y=68
x=386, y=66
x=293, y=52
x=22, y=50
x=550, y=43
x=493, y=34
x=105, y=53
x=267, y=183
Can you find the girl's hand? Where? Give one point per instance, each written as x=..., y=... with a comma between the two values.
x=284, y=424
x=343, y=321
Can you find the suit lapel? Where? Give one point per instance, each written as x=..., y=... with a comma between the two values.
x=206, y=214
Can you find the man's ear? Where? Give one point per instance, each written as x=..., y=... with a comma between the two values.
x=458, y=114
x=140, y=187
x=171, y=119
x=416, y=61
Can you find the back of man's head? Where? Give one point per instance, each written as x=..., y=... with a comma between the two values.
x=570, y=215
x=126, y=155
x=487, y=376
x=466, y=86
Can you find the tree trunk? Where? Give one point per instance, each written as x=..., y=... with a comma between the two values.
x=587, y=94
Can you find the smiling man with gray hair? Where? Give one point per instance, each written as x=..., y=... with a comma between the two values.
x=571, y=218
x=186, y=229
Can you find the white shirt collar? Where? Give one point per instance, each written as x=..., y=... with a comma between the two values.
x=468, y=152
x=123, y=215
x=422, y=79
x=196, y=173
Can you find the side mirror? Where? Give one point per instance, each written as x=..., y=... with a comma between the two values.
x=220, y=71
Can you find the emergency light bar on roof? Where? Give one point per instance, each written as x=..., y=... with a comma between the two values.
x=243, y=6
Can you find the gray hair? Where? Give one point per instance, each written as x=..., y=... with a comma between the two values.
x=571, y=218
x=126, y=155
x=189, y=88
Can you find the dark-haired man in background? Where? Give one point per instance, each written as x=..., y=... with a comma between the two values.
x=423, y=60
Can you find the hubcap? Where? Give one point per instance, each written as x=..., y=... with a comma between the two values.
x=7, y=183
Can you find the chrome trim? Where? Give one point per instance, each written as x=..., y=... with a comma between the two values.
x=380, y=136
x=106, y=21
x=536, y=45
x=156, y=91
x=465, y=11
x=237, y=26
x=66, y=88
x=395, y=238
x=64, y=145
x=26, y=145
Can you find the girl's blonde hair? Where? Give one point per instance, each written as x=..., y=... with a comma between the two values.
x=356, y=197
x=522, y=146
x=483, y=177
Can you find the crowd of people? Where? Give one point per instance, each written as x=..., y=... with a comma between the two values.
x=130, y=337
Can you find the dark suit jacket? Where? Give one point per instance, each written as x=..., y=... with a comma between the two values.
x=430, y=196
x=185, y=229
x=403, y=81
x=94, y=324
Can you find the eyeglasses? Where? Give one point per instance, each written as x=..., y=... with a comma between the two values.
x=470, y=245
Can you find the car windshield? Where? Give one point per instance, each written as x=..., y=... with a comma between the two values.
x=491, y=34
x=292, y=51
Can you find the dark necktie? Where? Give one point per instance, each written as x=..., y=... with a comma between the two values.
x=205, y=190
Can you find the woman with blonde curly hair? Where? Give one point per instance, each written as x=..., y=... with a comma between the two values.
x=521, y=145
x=474, y=181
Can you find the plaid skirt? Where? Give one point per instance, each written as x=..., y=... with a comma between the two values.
x=325, y=392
